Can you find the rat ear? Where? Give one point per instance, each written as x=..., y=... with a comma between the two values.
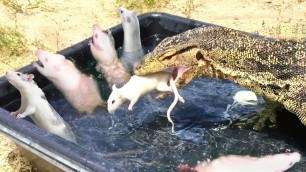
x=135, y=12
x=30, y=77
x=111, y=37
x=62, y=57
x=108, y=31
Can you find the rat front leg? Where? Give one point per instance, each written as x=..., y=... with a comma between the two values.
x=133, y=102
x=17, y=112
x=28, y=111
x=21, y=109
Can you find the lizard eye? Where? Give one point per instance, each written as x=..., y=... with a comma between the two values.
x=137, y=67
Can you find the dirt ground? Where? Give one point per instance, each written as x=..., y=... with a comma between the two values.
x=56, y=24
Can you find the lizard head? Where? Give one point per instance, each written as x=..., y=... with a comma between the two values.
x=180, y=50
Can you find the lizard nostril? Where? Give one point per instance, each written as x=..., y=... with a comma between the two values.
x=199, y=56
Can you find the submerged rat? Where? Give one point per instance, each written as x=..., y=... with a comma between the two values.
x=80, y=90
x=35, y=105
x=132, y=48
x=236, y=163
x=102, y=47
x=138, y=86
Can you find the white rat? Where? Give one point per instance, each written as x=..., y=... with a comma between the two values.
x=138, y=86
x=235, y=163
x=102, y=47
x=35, y=105
x=80, y=90
x=132, y=48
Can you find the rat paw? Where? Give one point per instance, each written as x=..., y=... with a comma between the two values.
x=20, y=116
x=13, y=113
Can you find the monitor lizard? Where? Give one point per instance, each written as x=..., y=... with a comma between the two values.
x=275, y=69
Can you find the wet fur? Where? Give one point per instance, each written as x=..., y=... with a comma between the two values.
x=108, y=63
x=35, y=105
x=80, y=90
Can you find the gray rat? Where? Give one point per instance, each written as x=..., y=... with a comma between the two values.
x=132, y=48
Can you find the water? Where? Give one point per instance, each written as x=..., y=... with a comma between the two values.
x=141, y=140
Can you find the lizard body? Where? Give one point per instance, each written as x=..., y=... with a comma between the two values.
x=275, y=69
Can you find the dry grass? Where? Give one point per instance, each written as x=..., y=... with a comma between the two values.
x=21, y=6
x=10, y=158
x=12, y=41
x=30, y=24
x=188, y=8
x=142, y=5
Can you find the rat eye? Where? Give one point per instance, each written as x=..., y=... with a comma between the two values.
x=18, y=74
x=113, y=101
x=121, y=11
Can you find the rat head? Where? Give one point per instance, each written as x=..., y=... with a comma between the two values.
x=115, y=100
x=19, y=80
x=102, y=45
x=52, y=64
x=128, y=18
x=284, y=161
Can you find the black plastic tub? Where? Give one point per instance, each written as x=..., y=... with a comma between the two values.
x=51, y=153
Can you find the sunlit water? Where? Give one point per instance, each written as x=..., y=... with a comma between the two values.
x=141, y=140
